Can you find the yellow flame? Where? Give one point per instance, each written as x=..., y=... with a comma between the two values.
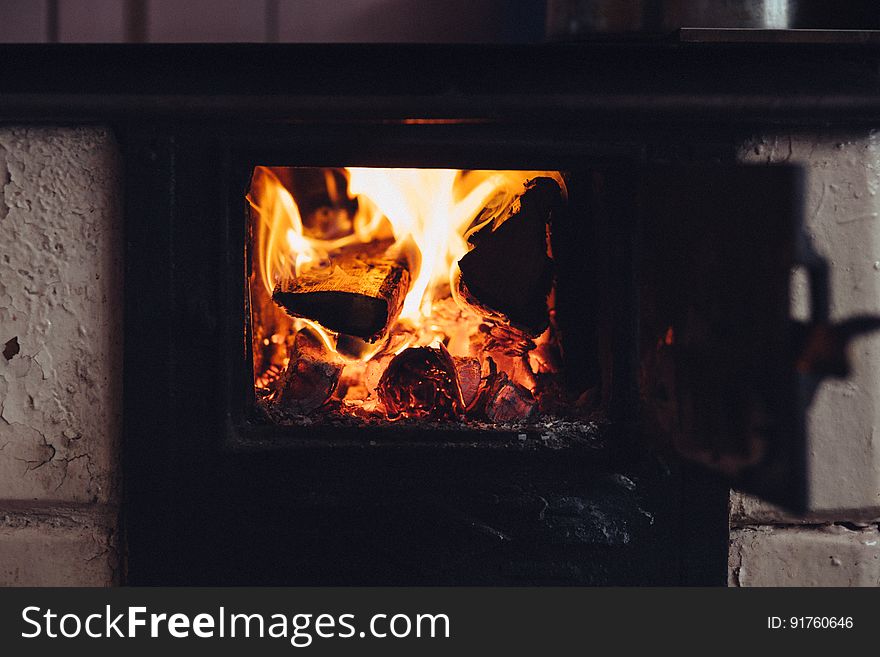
x=427, y=211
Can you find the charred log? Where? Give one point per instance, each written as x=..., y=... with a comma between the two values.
x=507, y=275
x=509, y=401
x=322, y=198
x=360, y=295
x=421, y=382
x=311, y=376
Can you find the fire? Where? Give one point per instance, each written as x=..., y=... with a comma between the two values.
x=429, y=211
x=424, y=214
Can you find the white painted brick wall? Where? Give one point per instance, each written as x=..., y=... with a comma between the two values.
x=48, y=546
x=61, y=302
x=842, y=215
x=801, y=556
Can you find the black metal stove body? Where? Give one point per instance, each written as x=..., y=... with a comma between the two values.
x=211, y=497
x=252, y=502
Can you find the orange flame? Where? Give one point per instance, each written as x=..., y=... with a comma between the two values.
x=427, y=212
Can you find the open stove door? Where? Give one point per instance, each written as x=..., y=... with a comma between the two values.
x=722, y=378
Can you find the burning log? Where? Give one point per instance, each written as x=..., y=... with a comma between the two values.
x=421, y=382
x=360, y=295
x=507, y=275
x=311, y=376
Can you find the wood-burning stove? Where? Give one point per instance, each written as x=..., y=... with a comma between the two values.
x=671, y=291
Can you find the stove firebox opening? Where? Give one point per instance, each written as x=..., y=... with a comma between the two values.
x=418, y=297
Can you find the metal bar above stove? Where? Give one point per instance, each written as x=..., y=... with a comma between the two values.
x=756, y=35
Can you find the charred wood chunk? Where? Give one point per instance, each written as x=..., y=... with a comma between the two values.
x=322, y=198
x=506, y=339
x=311, y=376
x=421, y=382
x=507, y=275
x=361, y=294
x=509, y=401
x=469, y=373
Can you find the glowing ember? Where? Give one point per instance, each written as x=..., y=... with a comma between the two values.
x=421, y=382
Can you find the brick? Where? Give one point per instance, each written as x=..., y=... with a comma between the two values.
x=207, y=21
x=24, y=21
x=91, y=21
x=748, y=510
x=57, y=547
x=61, y=307
x=804, y=556
x=842, y=216
x=365, y=21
